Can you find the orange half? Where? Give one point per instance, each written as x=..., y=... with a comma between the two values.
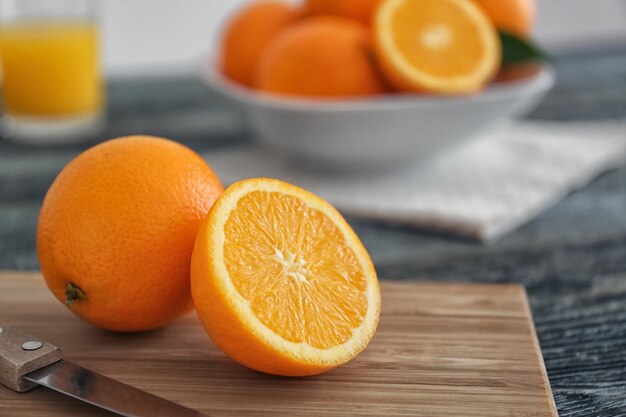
x=443, y=46
x=280, y=281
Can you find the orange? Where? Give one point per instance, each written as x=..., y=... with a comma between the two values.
x=323, y=56
x=441, y=46
x=361, y=10
x=515, y=16
x=117, y=227
x=280, y=281
x=247, y=34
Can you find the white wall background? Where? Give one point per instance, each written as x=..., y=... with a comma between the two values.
x=158, y=36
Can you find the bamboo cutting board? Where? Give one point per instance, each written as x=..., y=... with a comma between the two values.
x=440, y=350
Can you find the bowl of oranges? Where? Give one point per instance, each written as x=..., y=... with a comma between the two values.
x=378, y=83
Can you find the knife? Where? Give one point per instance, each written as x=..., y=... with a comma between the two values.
x=26, y=362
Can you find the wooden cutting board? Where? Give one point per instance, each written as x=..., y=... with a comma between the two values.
x=440, y=350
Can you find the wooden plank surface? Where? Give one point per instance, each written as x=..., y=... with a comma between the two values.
x=440, y=350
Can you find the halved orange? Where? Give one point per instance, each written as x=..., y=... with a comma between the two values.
x=443, y=46
x=280, y=281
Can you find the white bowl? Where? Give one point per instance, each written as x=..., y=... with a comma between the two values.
x=382, y=131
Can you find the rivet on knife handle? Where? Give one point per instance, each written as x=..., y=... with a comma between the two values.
x=21, y=354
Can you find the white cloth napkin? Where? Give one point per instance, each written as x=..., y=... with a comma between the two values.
x=481, y=190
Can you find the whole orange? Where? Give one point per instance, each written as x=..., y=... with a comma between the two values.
x=361, y=10
x=325, y=56
x=515, y=16
x=117, y=228
x=247, y=34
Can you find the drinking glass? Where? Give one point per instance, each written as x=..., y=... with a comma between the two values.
x=50, y=70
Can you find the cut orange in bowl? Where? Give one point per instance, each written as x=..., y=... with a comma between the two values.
x=441, y=46
x=280, y=281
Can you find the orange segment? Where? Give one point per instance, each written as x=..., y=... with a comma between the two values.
x=281, y=282
x=445, y=46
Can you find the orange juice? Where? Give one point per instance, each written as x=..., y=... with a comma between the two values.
x=50, y=68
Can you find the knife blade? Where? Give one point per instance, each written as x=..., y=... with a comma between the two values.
x=26, y=362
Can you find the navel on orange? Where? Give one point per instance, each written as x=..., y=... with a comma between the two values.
x=443, y=46
x=281, y=282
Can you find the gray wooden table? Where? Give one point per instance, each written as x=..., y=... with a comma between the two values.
x=572, y=258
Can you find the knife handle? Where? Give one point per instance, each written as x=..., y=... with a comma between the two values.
x=21, y=354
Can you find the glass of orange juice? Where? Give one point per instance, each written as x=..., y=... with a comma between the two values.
x=50, y=78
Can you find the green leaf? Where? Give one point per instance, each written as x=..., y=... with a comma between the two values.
x=516, y=50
